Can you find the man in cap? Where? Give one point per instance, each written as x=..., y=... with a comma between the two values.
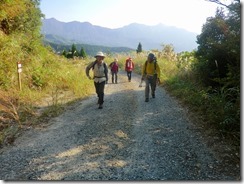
x=151, y=74
x=100, y=77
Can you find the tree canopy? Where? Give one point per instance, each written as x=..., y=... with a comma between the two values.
x=219, y=47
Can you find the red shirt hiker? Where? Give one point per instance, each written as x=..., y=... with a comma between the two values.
x=129, y=67
x=114, y=70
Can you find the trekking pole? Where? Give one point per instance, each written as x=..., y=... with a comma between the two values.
x=158, y=81
x=140, y=85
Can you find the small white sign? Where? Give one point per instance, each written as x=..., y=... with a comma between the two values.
x=19, y=65
x=19, y=70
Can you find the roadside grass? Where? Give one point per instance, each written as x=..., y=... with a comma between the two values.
x=210, y=107
x=49, y=83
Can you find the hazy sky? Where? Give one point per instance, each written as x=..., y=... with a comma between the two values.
x=186, y=14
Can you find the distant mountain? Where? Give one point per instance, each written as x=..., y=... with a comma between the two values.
x=151, y=37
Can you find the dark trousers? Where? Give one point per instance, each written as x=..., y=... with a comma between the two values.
x=129, y=75
x=114, y=77
x=151, y=82
x=100, y=91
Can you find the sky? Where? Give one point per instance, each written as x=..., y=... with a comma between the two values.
x=187, y=14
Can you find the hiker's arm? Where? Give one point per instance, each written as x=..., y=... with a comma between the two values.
x=88, y=69
x=143, y=72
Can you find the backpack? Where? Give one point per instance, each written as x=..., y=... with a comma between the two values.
x=113, y=66
x=155, y=66
x=155, y=72
x=129, y=65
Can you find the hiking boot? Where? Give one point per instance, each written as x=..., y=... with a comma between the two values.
x=146, y=100
x=153, y=95
x=100, y=106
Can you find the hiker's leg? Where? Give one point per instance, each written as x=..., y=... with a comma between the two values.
x=101, y=93
x=153, y=86
x=129, y=76
x=96, y=84
x=116, y=77
x=112, y=77
x=147, y=88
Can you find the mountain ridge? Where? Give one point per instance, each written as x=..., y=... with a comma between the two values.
x=151, y=37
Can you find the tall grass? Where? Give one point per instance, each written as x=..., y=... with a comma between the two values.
x=48, y=82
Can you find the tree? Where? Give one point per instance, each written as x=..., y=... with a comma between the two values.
x=211, y=50
x=219, y=47
x=74, y=51
x=82, y=53
x=64, y=53
x=139, y=48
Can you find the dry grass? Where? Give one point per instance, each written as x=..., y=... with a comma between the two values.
x=60, y=82
x=9, y=109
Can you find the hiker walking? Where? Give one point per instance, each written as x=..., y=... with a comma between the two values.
x=151, y=75
x=100, y=76
x=114, y=66
x=129, y=67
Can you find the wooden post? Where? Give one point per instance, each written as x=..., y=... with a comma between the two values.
x=19, y=70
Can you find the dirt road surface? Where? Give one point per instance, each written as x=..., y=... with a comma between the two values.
x=129, y=139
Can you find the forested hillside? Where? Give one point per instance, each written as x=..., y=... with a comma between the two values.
x=206, y=80
x=90, y=50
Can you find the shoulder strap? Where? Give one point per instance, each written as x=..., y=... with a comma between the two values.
x=145, y=68
x=93, y=65
x=105, y=67
x=105, y=70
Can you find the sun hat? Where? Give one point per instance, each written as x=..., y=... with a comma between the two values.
x=100, y=54
x=115, y=59
x=151, y=56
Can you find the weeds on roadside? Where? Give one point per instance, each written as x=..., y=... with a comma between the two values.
x=215, y=106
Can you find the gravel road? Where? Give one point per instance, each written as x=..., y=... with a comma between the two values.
x=129, y=139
